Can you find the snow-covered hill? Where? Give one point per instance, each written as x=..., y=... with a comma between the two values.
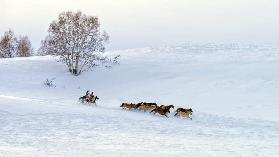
x=233, y=90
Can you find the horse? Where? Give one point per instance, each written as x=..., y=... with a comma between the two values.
x=84, y=99
x=136, y=106
x=184, y=112
x=167, y=107
x=162, y=111
x=128, y=106
x=147, y=106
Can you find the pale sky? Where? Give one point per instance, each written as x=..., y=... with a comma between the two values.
x=140, y=23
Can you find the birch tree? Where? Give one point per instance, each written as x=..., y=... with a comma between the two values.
x=8, y=45
x=78, y=41
x=24, y=48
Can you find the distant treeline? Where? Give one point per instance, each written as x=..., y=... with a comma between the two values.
x=11, y=46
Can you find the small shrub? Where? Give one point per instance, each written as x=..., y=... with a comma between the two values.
x=49, y=83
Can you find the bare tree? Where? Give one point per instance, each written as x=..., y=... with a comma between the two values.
x=7, y=45
x=24, y=48
x=77, y=39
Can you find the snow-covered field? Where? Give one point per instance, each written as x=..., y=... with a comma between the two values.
x=233, y=90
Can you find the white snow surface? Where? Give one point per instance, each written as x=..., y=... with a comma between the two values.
x=233, y=90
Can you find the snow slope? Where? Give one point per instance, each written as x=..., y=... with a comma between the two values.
x=233, y=90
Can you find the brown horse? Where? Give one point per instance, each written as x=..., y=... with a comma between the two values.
x=147, y=106
x=167, y=107
x=162, y=111
x=128, y=106
x=136, y=106
x=184, y=112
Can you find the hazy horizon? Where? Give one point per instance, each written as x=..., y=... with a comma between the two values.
x=141, y=23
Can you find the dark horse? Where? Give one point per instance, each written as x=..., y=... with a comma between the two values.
x=162, y=111
x=84, y=99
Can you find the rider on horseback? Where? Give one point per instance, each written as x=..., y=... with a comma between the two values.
x=89, y=98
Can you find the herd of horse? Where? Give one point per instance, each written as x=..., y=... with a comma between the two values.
x=163, y=110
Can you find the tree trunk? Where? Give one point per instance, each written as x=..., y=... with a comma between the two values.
x=76, y=64
x=68, y=62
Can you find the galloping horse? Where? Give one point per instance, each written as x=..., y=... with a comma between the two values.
x=84, y=99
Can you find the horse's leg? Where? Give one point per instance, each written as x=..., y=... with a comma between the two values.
x=153, y=111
